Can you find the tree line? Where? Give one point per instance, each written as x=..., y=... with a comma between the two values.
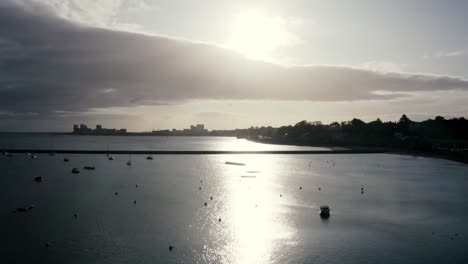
x=429, y=135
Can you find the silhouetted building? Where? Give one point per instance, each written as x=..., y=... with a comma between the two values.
x=84, y=130
x=198, y=129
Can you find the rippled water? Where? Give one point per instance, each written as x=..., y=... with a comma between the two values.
x=413, y=209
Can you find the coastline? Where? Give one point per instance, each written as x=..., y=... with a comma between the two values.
x=447, y=155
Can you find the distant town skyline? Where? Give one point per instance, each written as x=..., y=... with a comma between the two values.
x=147, y=65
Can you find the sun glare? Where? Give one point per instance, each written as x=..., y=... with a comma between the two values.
x=258, y=35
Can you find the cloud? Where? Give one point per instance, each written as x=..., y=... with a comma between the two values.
x=384, y=66
x=457, y=53
x=48, y=63
x=445, y=54
x=110, y=14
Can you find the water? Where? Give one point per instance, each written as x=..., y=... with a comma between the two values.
x=46, y=141
x=405, y=200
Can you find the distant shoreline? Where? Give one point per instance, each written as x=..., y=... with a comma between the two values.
x=462, y=158
x=128, y=134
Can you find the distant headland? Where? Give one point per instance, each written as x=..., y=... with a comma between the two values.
x=447, y=138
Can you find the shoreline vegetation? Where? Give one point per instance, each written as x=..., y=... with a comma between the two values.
x=437, y=138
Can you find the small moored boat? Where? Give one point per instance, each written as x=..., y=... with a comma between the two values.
x=89, y=167
x=75, y=170
x=324, y=211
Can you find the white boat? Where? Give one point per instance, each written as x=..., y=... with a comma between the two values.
x=324, y=211
x=89, y=167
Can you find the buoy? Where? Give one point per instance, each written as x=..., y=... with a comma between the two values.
x=134, y=202
x=300, y=187
x=75, y=215
x=211, y=198
x=116, y=193
x=199, y=188
x=320, y=188
x=171, y=247
x=219, y=220
x=206, y=203
x=281, y=195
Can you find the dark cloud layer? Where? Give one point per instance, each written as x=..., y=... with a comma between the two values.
x=48, y=64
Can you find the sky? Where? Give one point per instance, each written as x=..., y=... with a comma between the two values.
x=148, y=65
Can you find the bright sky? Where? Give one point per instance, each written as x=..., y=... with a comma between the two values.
x=417, y=50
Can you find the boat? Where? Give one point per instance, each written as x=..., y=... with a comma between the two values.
x=66, y=159
x=110, y=158
x=235, y=163
x=75, y=170
x=149, y=157
x=129, y=163
x=24, y=209
x=89, y=167
x=38, y=179
x=324, y=211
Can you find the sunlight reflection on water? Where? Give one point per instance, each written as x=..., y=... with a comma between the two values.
x=255, y=219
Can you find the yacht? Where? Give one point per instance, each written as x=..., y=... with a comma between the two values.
x=75, y=170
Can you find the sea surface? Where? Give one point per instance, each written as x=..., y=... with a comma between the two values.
x=409, y=210
x=56, y=141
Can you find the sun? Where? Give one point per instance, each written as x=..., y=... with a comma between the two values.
x=258, y=35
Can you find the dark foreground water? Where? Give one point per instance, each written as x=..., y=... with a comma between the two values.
x=413, y=210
